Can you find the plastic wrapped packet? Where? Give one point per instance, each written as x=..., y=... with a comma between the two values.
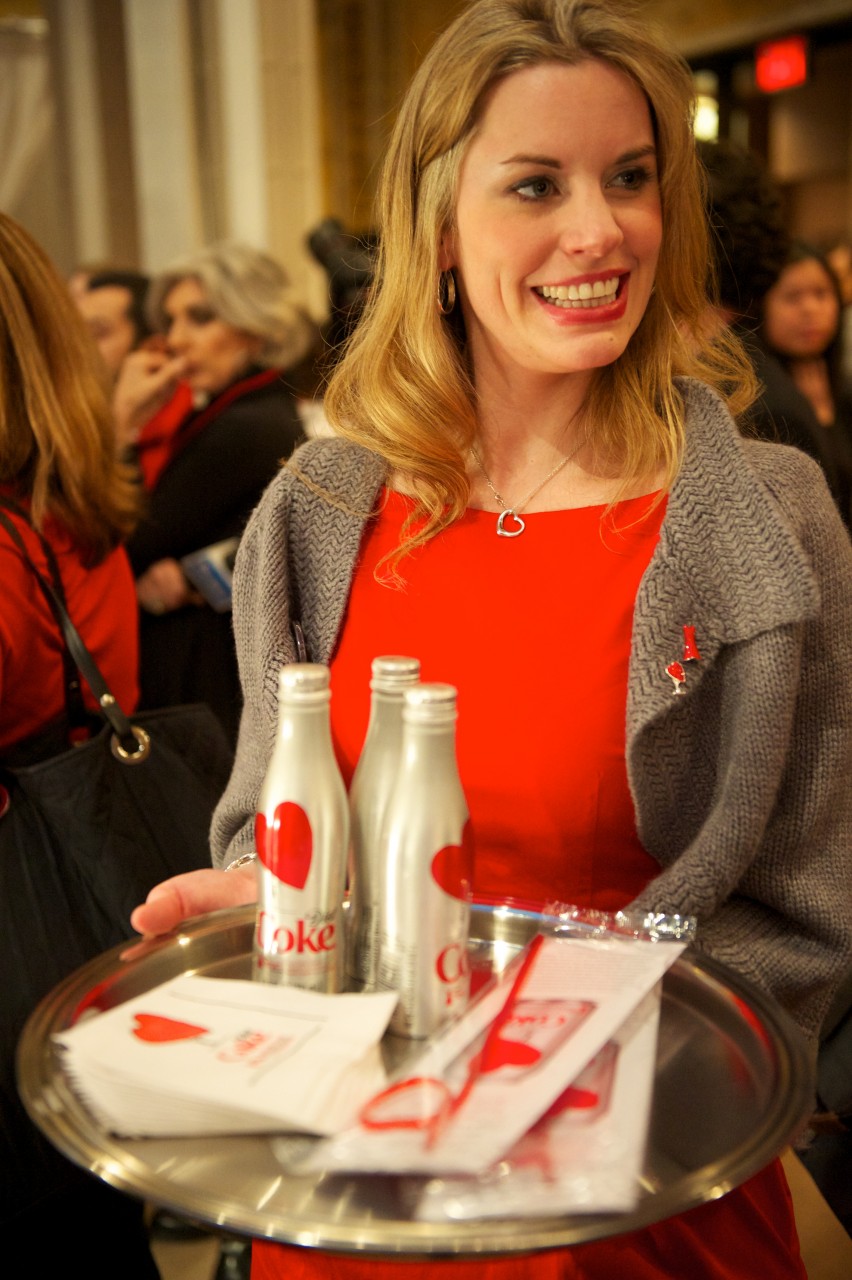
x=585, y=1154
x=478, y=1087
x=566, y=920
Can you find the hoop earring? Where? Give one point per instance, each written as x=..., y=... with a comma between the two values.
x=446, y=297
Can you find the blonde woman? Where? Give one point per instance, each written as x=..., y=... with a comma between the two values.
x=527, y=443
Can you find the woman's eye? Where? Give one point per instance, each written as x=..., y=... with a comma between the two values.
x=534, y=188
x=633, y=179
x=200, y=315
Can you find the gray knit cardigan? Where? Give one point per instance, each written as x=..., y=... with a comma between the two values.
x=742, y=786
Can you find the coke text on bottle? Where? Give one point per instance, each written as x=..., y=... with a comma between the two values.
x=372, y=784
x=425, y=900
x=301, y=836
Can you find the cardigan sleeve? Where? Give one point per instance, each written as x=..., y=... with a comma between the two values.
x=295, y=562
x=769, y=869
x=264, y=644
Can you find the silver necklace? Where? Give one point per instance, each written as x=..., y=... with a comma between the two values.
x=513, y=510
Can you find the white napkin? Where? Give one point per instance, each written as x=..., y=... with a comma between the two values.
x=214, y=1056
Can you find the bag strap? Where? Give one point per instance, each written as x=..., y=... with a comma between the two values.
x=75, y=709
x=128, y=742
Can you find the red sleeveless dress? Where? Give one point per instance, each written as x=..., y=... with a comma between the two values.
x=535, y=633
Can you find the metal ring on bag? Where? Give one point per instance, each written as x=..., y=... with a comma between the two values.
x=132, y=757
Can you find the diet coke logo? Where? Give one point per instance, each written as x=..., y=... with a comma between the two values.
x=451, y=965
x=302, y=937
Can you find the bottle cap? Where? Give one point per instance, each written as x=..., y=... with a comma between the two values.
x=430, y=704
x=394, y=672
x=303, y=680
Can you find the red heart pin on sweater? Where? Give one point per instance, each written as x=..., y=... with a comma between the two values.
x=677, y=673
x=286, y=846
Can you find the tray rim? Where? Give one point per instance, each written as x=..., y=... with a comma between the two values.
x=54, y=1107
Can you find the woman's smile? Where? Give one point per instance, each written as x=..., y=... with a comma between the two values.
x=589, y=300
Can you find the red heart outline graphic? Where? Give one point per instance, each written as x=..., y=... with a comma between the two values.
x=156, y=1028
x=452, y=866
x=286, y=847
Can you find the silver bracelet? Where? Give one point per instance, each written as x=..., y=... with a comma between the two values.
x=242, y=861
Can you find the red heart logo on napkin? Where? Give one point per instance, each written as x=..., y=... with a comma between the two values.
x=156, y=1029
x=452, y=866
x=286, y=846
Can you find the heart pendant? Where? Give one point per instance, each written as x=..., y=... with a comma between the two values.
x=502, y=531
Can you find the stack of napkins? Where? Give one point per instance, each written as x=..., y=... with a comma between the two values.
x=215, y=1056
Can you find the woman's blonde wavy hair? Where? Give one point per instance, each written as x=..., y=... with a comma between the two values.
x=57, y=439
x=403, y=387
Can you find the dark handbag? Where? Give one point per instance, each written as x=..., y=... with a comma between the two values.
x=85, y=833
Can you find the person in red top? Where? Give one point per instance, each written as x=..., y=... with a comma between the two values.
x=57, y=464
x=535, y=491
x=59, y=476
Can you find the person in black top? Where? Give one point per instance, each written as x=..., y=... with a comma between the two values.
x=751, y=246
x=802, y=330
x=233, y=336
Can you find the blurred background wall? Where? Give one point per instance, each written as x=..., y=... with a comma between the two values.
x=135, y=130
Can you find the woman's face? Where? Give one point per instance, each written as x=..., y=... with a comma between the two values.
x=215, y=352
x=558, y=221
x=801, y=312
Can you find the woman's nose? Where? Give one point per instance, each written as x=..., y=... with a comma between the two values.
x=590, y=225
x=176, y=335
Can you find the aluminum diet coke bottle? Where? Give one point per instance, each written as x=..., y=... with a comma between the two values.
x=428, y=867
x=369, y=794
x=302, y=836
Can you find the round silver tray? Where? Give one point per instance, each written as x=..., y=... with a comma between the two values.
x=733, y=1084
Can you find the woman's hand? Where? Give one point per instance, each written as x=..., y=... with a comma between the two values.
x=193, y=894
x=163, y=587
x=146, y=383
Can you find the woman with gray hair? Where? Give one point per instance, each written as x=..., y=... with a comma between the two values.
x=234, y=339
x=248, y=291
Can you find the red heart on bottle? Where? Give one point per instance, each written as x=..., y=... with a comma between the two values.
x=452, y=866
x=286, y=846
x=510, y=1053
x=157, y=1029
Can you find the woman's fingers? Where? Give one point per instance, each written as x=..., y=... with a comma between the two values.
x=147, y=381
x=193, y=894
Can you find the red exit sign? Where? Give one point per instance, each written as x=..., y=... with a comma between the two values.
x=781, y=64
